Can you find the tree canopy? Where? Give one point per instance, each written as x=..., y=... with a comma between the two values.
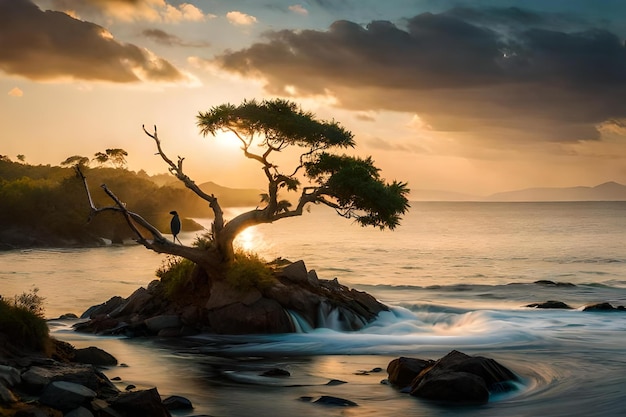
x=351, y=185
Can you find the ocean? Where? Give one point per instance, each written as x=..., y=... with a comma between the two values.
x=455, y=275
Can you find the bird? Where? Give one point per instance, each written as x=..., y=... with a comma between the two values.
x=175, y=225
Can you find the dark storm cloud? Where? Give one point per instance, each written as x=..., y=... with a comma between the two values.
x=164, y=38
x=47, y=45
x=495, y=70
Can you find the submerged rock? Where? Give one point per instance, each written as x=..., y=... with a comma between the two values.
x=603, y=307
x=550, y=304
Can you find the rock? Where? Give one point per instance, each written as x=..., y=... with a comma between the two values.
x=176, y=402
x=94, y=356
x=295, y=272
x=457, y=387
x=6, y=396
x=459, y=378
x=67, y=316
x=402, y=371
x=157, y=323
x=548, y=283
x=146, y=403
x=133, y=304
x=550, y=304
x=104, y=308
x=603, y=307
x=103, y=409
x=336, y=401
x=223, y=295
x=37, y=377
x=66, y=396
x=264, y=316
x=9, y=376
x=276, y=372
x=79, y=412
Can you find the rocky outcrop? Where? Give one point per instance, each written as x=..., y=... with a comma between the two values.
x=34, y=385
x=294, y=294
x=455, y=378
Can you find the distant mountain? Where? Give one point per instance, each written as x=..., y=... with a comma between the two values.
x=232, y=197
x=609, y=191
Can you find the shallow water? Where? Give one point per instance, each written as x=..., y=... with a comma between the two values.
x=456, y=275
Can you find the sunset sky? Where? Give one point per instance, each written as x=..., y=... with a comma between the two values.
x=469, y=96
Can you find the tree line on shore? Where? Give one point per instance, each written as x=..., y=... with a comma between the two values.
x=45, y=205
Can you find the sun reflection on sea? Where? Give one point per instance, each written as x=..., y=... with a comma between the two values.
x=250, y=240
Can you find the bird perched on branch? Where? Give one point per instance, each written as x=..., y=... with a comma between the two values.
x=175, y=226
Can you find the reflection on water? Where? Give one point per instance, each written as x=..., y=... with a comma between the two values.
x=457, y=277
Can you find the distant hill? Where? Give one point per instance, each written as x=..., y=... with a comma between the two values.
x=609, y=191
x=232, y=197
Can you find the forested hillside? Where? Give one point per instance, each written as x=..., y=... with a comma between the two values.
x=46, y=206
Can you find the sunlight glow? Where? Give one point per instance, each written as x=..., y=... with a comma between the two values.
x=248, y=240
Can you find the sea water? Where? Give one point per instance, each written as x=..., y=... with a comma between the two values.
x=455, y=275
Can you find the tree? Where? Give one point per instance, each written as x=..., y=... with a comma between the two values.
x=350, y=185
x=116, y=156
x=76, y=160
x=21, y=158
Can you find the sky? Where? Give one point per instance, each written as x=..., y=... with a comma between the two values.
x=475, y=97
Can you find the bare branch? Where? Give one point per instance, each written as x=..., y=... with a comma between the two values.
x=177, y=170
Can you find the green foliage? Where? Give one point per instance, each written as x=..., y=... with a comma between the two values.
x=204, y=241
x=174, y=273
x=280, y=122
x=30, y=301
x=248, y=271
x=22, y=322
x=359, y=190
x=48, y=204
x=351, y=185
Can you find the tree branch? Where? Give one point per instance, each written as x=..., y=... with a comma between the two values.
x=177, y=170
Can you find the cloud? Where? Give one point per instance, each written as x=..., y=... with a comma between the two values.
x=299, y=9
x=239, y=18
x=16, y=92
x=52, y=45
x=164, y=38
x=133, y=10
x=507, y=74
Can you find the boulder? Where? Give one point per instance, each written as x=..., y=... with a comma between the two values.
x=94, y=356
x=66, y=396
x=295, y=272
x=402, y=371
x=104, y=308
x=133, y=304
x=9, y=376
x=459, y=378
x=263, y=316
x=176, y=402
x=164, y=321
x=335, y=401
x=6, y=396
x=223, y=294
x=603, y=307
x=146, y=403
x=79, y=412
x=457, y=387
x=550, y=304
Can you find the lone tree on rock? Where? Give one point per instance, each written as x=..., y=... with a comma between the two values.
x=350, y=185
